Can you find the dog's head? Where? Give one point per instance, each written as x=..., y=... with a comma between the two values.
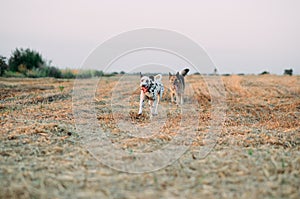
x=174, y=80
x=177, y=80
x=146, y=82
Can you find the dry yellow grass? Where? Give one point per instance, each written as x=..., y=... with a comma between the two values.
x=257, y=154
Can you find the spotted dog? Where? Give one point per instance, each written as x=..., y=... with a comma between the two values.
x=151, y=89
x=177, y=86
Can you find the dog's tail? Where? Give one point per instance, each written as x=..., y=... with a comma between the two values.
x=184, y=72
x=158, y=77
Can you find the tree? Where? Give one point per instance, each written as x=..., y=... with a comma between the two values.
x=288, y=72
x=3, y=65
x=54, y=72
x=98, y=73
x=22, y=60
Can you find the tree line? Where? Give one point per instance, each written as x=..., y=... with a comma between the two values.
x=30, y=63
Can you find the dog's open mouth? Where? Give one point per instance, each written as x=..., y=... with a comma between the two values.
x=144, y=89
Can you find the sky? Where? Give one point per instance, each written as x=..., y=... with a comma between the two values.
x=240, y=36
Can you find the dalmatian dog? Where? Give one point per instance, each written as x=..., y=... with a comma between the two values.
x=177, y=86
x=151, y=89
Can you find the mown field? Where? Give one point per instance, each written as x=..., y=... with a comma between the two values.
x=257, y=154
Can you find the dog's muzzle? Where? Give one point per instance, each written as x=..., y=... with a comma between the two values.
x=144, y=88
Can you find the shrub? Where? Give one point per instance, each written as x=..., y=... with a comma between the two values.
x=33, y=73
x=37, y=72
x=109, y=74
x=53, y=72
x=29, y=58
x=31, y=64
x=264, y=73
x=3, y=65
x=288, y=72
x=61, y=88
x=98, y=73
x=44, y=72
x=22, y=68
x=90, y=73
x=68, y=74
x=84, y=74
x=13, y=74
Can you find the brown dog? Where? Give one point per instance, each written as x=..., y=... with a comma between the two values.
x=177, y=86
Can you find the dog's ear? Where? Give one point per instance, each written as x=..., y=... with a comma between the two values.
x=141, y=74
x=177, y=75
x=170, y=74
x=151, y=77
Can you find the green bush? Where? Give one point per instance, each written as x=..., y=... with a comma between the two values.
x=36, y=73
x=44, y=72
x=53, y=72
x=68, y=74
x=108, y=74
x=84, y=74
x=288, y=72
x=98, y=73
x=90, y=74
x=29, y=58
x=30, y=63
x=13, y=74
x=3, y=65
x=264, y=73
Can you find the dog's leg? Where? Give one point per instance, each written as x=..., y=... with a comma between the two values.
x=153, y=107
x=181, y=99
x=142, y=97
x=177, y=98
x=151, y=104
x=156, y=104
x=172, y=97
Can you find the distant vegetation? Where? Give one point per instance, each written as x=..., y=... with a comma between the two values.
x=288, y=72
x=29, y=63
x=264, y=73
x=3, y=65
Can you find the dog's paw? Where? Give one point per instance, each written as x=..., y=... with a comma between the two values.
x=172, y=102
x=139, y=115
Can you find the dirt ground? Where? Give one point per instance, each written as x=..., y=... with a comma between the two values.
x=257, y=154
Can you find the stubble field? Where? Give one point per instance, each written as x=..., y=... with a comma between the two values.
x=257, y=153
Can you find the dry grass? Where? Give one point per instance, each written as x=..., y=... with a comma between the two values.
x=257, y=154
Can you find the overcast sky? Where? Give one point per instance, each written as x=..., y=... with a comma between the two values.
x=240, y=36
